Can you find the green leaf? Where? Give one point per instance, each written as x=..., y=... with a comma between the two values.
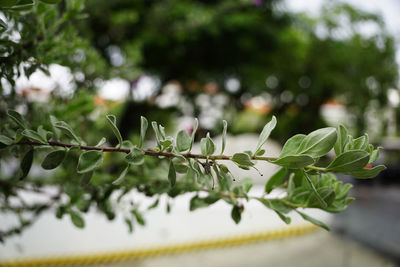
x=260, y=152
x=8, y=3
x=207, y=145
x=33, y=136
x=17, y=118
x=50, y=1
x=129, y=224
x=86, y=177
x=144, y=124
x=294, y=161
x=242, y=160
x=292, y=145
x=315, y=191
x=318, y=143
x=361, y=143
x=23, y=5
x=224, y=180
x=313, y=220
x=265, y=133
x=367, y=173
x=89, y=161
x=326, y=194
x=374, y=155
x=139, y=218
x=350, y=143
x=341, y=140
x=291, y=185
x=172, y=174
x=112, y=120
x=225, y=123
x=275, y=179
x=101, y=142
x=46, y=135
x=54, y=159
x=183, y=141
x=121, y=177
x=156, y=132
x=76, y=219
x=154, y=205
x=26, y=164
x=349, y=161
x=195, y=126
x=162, y=131
x=197, y=202
x=236, y=214
x=53, y=121
x=179, y=165
x=135, y=156
x=67, y=130
x=5, y=140
x=167, y=142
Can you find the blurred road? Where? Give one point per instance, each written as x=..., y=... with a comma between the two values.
x=373, y=218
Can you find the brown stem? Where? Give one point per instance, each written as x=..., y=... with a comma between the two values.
x=146, y=151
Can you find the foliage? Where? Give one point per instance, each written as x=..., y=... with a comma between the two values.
x=296, y=62
x=306, y=184
x=270, y=52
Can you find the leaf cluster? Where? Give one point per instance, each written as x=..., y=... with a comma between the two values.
x=179, y=171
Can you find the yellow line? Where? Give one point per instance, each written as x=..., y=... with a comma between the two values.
x=112, y=257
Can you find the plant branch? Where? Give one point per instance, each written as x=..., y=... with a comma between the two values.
x=150, y=152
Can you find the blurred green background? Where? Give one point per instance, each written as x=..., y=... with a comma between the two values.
x=174, y=60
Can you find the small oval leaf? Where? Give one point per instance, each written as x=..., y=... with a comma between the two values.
x=349, y=161
x=183, y=141
x=33, y=136
x=265, y=133
x=121, y=177
x=26, y=164
x=225, y=123
x=367, y=173
x=53, y=159
x=207, y=145
x=67, y=130
x=313, y=220
x=341, y=140
x=144, y=124
x=294, y=161
x=89, y=160
x=274, y=179
x=172, y=174
x=17, y=118
x=242, y=159
x=292, y=145
x=135, y=157
x=318, y=143
x=112, y=120
x=76, y=219
x=5, y=140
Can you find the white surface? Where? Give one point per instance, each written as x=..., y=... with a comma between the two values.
x=50, y=236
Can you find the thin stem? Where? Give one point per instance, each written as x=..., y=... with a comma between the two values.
x=153, y=153
x=146, y=151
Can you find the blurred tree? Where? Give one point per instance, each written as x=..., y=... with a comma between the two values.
x=266, y=49
x=307, y=61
